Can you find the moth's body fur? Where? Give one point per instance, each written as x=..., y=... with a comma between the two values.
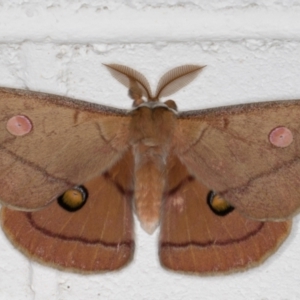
x=151, y=136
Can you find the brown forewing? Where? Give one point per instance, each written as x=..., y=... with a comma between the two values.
x=71, y=142
x=228, y=149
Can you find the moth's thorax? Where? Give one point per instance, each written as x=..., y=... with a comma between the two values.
x=151, y=135
x=152, y=126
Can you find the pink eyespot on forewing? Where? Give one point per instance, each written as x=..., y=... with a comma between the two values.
x=19, y=125
x=281, y=137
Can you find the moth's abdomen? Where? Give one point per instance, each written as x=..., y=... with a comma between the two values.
x=149, y=187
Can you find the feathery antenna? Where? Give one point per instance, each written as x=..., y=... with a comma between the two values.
x=138, y=85
x=135, y=81
x=176, y=79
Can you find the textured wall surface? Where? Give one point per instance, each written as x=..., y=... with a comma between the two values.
x=252, y=53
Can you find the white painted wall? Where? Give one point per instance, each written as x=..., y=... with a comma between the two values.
x=252, y=53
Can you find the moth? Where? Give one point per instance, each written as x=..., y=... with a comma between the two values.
x=221, y=183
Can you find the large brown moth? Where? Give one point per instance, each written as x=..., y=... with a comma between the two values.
x=221, y=183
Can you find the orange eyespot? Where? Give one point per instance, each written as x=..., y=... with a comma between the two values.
x=73, y=199
x=19, y=125
x=281, y=137
x=218, y=205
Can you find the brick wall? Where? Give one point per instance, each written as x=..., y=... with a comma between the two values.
x=252, y=53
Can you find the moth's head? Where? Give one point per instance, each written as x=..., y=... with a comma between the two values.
x=139, y=89
x=169, y=105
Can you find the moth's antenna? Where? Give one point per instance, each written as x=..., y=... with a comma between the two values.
x=176, y=79
x=136, y=82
